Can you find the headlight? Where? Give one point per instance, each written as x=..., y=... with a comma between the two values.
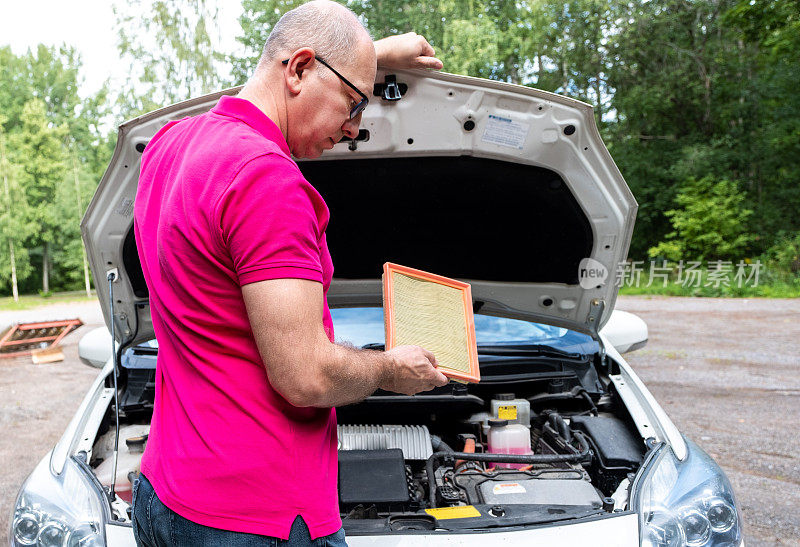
x=58, y=510
x=686, y=503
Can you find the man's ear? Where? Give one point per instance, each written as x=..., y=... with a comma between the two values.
x=295, y=68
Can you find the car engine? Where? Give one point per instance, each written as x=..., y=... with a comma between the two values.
x=560, y=460
x=561, y=444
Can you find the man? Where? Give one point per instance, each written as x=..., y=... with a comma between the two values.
x=242, y=447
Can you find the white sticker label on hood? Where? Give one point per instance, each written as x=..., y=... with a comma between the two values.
x=505, y=132
x=508, y=488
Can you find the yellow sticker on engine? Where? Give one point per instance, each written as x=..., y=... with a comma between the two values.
x=507, y=412
x=459, y=512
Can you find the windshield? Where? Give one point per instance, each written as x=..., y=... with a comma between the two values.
x=361, y=326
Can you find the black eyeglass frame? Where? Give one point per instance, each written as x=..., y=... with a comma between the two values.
x=362, y=104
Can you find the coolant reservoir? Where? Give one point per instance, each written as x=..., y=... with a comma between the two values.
x=506, y=438
x=506, y=407
x=129, y=461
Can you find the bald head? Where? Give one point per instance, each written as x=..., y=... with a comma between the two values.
x=330, y=29
x=311, y=104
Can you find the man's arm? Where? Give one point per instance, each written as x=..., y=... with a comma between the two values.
x=307, y=369
x=409, y=50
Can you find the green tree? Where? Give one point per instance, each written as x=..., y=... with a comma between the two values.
x=681, y=85
x=770, y=32
x=682, y=89
x=38, y=151
x=171, y=49
x=257, y=19
x=71, y=199
x=47, y=73
x=464, y=33
x=710, y=222
x=89, y=138
x=15, y=87
x=784, y=256
x=51, y=77
x=14, y=226
x=555, y=45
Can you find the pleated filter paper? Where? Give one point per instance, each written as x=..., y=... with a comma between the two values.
x=433, y=312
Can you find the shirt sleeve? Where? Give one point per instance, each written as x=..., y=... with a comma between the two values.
x=271, y=221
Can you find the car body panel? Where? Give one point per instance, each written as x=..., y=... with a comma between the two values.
x=613, y=531
x=552, y=132
x=647, y=414
x=118, y=535
x=86, y=418
x=625, y=331
x=94, y=348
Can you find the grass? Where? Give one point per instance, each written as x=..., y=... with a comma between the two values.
x=28, y=301
x=770, y=285
x=673, y=289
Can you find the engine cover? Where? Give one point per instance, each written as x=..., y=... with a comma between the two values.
x=372, y=476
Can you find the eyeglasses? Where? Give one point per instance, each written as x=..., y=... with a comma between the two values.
x=362, y=104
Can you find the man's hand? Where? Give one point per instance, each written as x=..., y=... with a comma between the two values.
x=409, y=50
x=412, y=370
x=307, y=369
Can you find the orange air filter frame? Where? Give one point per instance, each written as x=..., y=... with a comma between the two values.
x=434, y=312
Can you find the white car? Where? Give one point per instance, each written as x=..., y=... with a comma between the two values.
x=508, y=188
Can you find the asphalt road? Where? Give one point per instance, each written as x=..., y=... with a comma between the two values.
x=725, y=370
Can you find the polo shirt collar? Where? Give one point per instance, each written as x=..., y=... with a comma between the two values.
x=244, y=110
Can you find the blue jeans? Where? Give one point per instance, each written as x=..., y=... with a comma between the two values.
x=156, y=525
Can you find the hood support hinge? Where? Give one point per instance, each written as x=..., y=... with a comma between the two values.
x=596, y=307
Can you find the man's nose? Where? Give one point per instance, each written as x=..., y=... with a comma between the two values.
x=350, y=127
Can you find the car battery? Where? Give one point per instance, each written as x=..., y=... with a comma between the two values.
x=540, y=492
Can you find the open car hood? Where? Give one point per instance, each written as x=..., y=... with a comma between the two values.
x=506, y=187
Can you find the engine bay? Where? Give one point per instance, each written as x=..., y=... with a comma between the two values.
x=528, y=459
x=557, y=444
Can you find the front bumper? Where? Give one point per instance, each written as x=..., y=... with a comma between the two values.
x=611, y=531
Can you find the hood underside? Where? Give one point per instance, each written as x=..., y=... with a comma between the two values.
x=506, y=187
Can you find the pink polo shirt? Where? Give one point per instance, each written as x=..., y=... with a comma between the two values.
x=221, y=204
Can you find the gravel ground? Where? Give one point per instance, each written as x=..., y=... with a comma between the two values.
x=725, y=370
x=38, y=401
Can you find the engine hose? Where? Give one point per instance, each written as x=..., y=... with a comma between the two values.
x=502, y=458
x=558, y=423
x=588, y=399
x=439, y=445
x=536, y=426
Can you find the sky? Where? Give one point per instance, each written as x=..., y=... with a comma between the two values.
x=88, y=25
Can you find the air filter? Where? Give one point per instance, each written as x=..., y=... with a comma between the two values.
x=434, y=312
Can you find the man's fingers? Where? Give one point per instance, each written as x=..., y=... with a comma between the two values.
x=409, y=50
x=427, y=56
x=427, y=49
x=429, y=62
x=430, y=356
x=439, y=378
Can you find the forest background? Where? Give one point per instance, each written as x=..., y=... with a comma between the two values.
x=697, y=100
